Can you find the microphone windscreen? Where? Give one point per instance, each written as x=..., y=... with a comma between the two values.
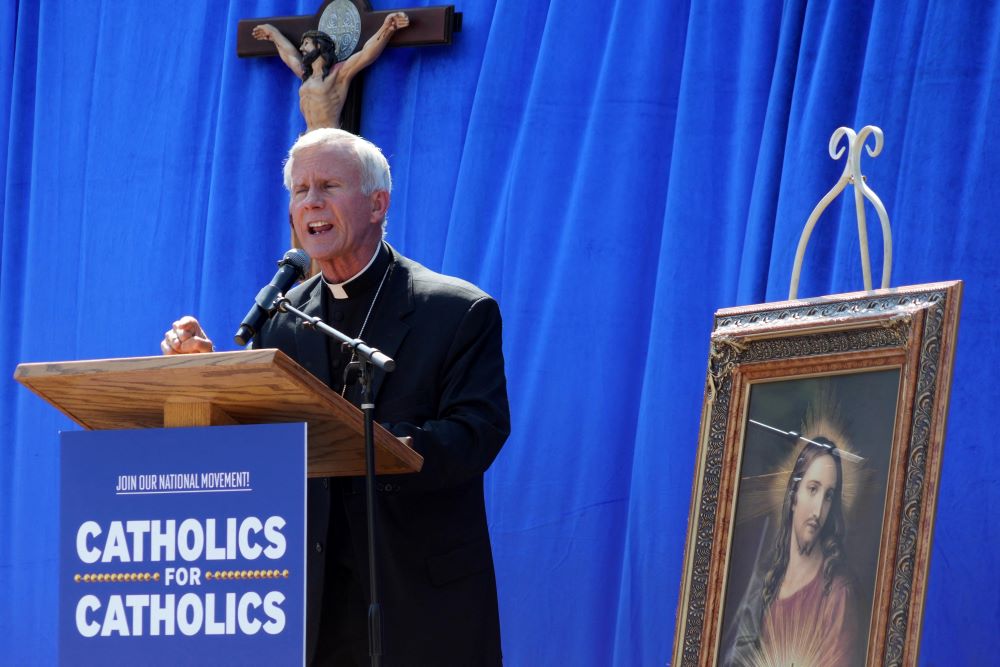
x=297, y=258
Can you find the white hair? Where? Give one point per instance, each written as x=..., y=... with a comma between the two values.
x=374, y=167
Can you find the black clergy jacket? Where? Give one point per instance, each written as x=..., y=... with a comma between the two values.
x=448, y=392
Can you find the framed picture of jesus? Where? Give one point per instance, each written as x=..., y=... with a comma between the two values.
x=814, y=492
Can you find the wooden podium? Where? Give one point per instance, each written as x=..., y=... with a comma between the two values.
x=221, y=388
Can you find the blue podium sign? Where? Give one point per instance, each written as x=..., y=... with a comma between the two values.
x=183, y=546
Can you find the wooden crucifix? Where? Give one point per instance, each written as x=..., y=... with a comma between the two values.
x=353, y=27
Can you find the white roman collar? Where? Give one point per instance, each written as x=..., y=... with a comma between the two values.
x=337, y=289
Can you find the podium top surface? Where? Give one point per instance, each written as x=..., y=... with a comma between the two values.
x=249, y=387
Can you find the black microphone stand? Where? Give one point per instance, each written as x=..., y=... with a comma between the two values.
x=367, y=357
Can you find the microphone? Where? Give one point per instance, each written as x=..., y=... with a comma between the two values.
x=291, y=268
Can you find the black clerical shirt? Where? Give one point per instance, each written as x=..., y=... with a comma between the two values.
x=349, y=315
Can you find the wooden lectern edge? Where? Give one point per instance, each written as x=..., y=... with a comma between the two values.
x=20, y=377
x=205, y=413
x=400, y=447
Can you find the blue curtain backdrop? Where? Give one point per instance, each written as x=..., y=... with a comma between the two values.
x=612, y=172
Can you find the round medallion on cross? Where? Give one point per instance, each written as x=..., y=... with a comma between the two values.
x=342, y=22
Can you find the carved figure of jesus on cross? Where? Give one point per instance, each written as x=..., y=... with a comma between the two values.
x=324, y=80
x=328, y=60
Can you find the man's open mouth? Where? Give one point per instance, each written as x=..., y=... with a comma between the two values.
x=319, y=227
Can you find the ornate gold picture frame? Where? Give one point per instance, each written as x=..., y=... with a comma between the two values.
x=816, y=480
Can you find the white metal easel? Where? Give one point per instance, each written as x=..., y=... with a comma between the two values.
x=851, y=174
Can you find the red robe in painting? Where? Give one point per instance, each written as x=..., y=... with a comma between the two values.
x=810, y=628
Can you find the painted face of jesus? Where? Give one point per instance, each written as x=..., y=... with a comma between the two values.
x=812, y=501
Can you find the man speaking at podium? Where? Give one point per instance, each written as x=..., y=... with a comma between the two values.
x=448, y=393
